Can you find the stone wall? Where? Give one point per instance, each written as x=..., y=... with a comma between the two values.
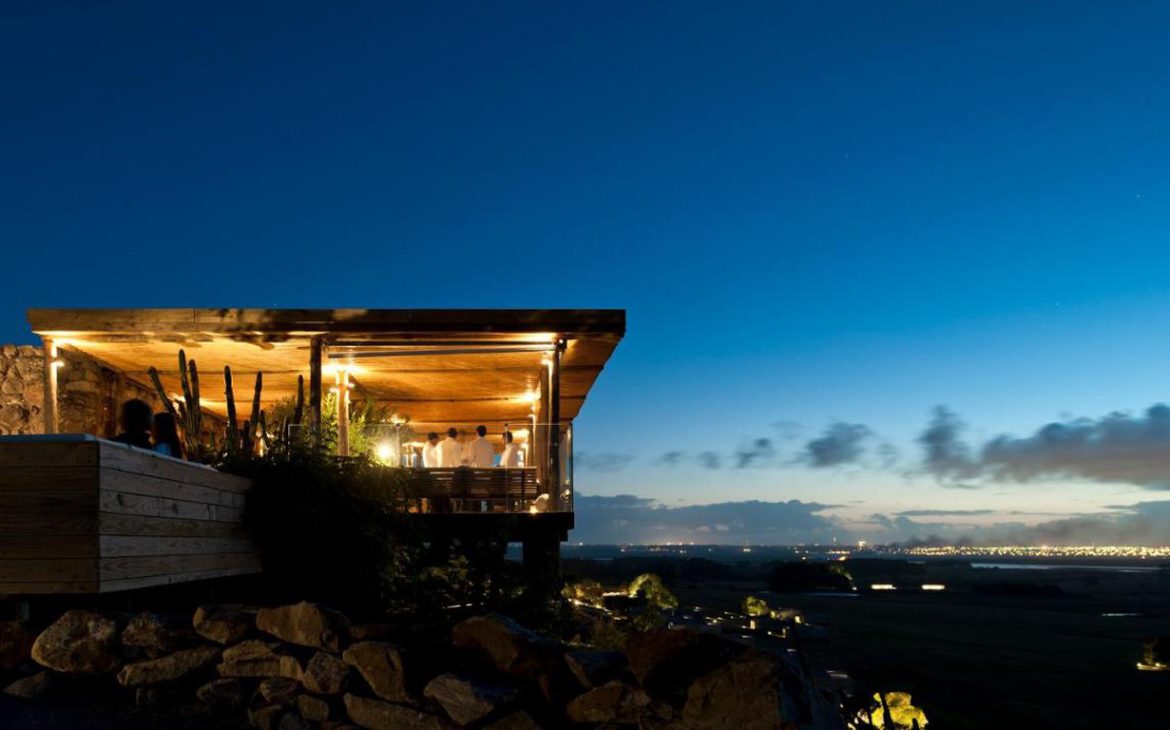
x=88, y=393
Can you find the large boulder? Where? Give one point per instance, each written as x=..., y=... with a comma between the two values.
x=16, y=641
x=519, y=720
x=325, y=674
x=380, y=664
x=266, y=718
x=256, y=658
x=593, y=668
x=81, y=642
x=153, y=634
x=168, y=668
x=613, y=702
x=665, y=662
x=305, y=624
x=511, y=647
x=279, y=690
x=313, y=709
x=379, y=715
x=468, y=699
x=224, y=624
x=31, y=687
x=224, y=696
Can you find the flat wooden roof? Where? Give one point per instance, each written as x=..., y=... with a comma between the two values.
x=450, y=366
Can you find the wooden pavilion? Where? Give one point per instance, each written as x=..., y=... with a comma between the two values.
x=527, y=371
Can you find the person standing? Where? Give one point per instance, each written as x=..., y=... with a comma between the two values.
x=430, y=451
x=166, y=436
x=480, y=453
x=510, y=459
x=450, y=450
x=137, y=419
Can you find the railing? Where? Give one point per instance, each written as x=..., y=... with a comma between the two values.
x=465, y=489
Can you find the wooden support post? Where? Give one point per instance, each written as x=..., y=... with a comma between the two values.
x=315, y=347
x=342, y=412
x=555, y=479
x=50, y=402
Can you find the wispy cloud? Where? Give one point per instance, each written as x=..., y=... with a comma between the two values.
x=603, y=462
x=841, y=444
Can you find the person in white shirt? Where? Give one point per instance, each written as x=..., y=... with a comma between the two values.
x=450, y=450
x=510, y=459
x=480, y=453
x=430, y=451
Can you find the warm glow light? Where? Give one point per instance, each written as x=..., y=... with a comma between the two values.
x=883, y=587
x=384, y=452
x=528, y=397
x=933, y=587
x=533, y=510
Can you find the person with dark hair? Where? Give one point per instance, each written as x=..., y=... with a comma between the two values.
x=166, y=436
x=450, y=450
x=430, y=451
x=137, y=418
x=480, y=453
x=510, y=459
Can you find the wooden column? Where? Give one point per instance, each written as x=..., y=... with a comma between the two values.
x=555, y=480
x=315, y=347
x=342, y=412
x=49, y=408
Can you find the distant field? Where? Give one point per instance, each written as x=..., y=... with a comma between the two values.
x=975, y=661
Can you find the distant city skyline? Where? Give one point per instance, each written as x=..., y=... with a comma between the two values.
x=892, y=272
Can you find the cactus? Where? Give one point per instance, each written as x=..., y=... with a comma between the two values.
x=254, y=421
x=300, y=409
x=189, y=412
x=233, y=431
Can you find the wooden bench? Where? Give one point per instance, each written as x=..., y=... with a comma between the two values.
x=84, y=515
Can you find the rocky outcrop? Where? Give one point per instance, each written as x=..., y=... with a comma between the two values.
x=224, y=696
x=666, y=662
x=256, y=658
x=80, y=642
x=305, y=624
x=593, y=668
x=279, y=690
x=153, y=634
x=168, y=668
x=614, y=702
x=468, y=699
x=223, y=624
x=31, y=687
x=380, y=664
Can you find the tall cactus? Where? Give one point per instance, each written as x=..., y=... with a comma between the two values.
x=300, y=409
x=255, y=421
x=188, y=412
x=233, y=431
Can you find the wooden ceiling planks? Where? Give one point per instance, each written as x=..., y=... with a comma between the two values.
x=430, y=387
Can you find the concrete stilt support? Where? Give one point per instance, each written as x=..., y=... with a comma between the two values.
x=542, y=555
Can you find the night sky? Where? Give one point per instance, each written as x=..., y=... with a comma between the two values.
x=893, y=270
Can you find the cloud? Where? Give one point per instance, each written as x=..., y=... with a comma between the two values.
x=1144, y=523
x=1119, y=448
x=710, y=460
x=757, y=452
x=945, y=512
x=603, y=462
x=842, y=443
x=627, y=519
x=946, y=456
x=671, y=458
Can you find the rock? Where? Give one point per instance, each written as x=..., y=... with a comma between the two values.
x=511, y=647
x=16, y=642
x=258, y=659
x=306, y=624
x=313, y=709
x=265, y=718
x=293, y=721
x=167, y=668
x=380, y=665
x=615, y=702
x=81, y=642
x=594, y=668
x=467, y=699
x=325, y=674
x=371, y=632
x=667, y=661
x=32, y=687
x=223, y=696
x=223, y=624
x=279, y=690
x=151, y=633
x=519, y=720
x=379, y=715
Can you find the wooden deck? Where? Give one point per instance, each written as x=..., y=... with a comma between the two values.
x=465, y=489
x=83, y=515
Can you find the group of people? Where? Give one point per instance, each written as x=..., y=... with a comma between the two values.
x=478, y=453
x=144, y=428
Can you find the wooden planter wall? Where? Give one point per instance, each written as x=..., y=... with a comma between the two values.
x=83, y=515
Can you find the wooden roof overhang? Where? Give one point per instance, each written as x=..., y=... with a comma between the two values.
x=439, y=366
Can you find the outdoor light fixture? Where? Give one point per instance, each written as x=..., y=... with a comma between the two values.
x=384, y=452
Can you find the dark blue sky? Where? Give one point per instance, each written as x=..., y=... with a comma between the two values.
x=814, y=212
